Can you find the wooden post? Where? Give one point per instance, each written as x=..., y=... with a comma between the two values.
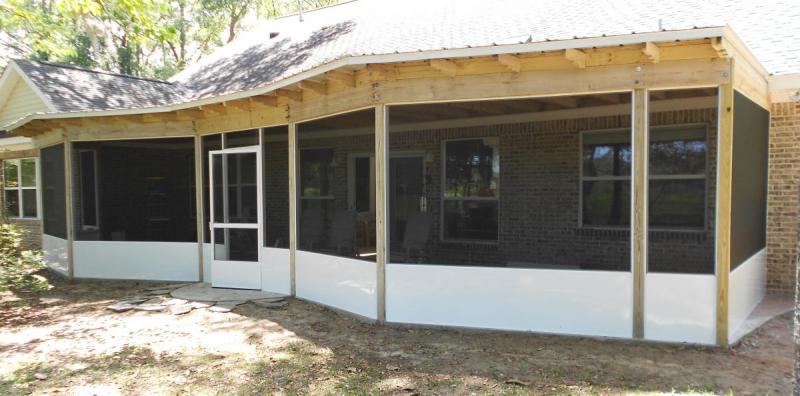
x=199, y=200
x=724, y=183
x=293, y=205
x=68, y=203
x=381, y=207
x=639, y=221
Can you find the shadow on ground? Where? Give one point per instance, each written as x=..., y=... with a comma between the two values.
x=67, y=338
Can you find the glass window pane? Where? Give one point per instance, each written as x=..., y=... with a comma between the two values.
x=28, y=172
x=471, y=220
x=607, y=158
x=11, y=173
x=236, y=244
x=676, y=153
x=472, y=168
x=677, y=203
x=12, y=203
x=29, y=203
x=606, y=203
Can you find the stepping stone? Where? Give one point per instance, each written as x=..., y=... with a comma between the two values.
x=159, y=292
x=170, y=287
x=176, y=301
x=150, y=307
x=133, y=300
x=270, y=299
x=271, y=304
x=180, y=309
x=121, y=307
x=226, y=306
x=199, y=304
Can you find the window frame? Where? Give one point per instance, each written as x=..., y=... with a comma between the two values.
x=706, y=128
x=36, y=187
x=443, y=198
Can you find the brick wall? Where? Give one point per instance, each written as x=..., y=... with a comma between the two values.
x=32, y=228
x=783, y=190
x=539, y=207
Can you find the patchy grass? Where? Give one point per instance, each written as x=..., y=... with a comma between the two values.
x=64, y=340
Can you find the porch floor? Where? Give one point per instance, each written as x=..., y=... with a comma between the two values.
x=205, y=293
x=773, y=305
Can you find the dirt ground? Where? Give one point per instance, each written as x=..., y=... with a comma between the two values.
x=65, y=341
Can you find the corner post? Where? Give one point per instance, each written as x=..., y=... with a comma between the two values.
x=724, y=184
x=69, y=208
x=293, y=207
x=640, y=140
x=381, y=207
x=199, y=200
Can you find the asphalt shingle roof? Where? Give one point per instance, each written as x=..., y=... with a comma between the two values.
x=770, y=29
x=72, y=89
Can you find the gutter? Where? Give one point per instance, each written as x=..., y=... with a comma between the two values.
x=556, y=45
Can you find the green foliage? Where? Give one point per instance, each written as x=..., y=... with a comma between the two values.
x=18, y=267
x=153, y=38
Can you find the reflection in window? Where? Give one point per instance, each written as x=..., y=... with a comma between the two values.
x=472, y=174
x=20, y=188
x=677, y=178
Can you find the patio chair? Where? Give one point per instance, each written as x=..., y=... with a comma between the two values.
x=343, y=232
x=311, y=227
x=417, y=232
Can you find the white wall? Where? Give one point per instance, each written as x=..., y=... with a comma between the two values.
x=746, y=289
x=343, y=283
x=275, y=271
x=55, y=253
x=596, y=303
x=680, y=308
x=169, y=261
x=208, y=256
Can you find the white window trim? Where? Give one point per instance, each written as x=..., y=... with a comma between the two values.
x=20, y=188
x=90, y=227
x=442, y=187
x=704, y=176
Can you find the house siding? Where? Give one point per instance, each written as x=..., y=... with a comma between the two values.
x=22, y=102
x=783, y=203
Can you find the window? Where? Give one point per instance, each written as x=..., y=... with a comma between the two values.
x=316, y=174
x=20, y=188
x=471, y=189
x=677, y=169
x=677, y=188
x=361, y=186
x=88, y=189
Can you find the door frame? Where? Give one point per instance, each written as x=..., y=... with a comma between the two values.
x=258, y=225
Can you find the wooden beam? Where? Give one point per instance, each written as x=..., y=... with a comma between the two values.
x=639, y=202
x=316, y=87
x=569, y=102
x=447, y=67
x=243, y=104
x=652, y=52
x=290, y=94
x=198, y=203
x=720, y=45
x=68, y=206
x=293, y=207
x=217, y=108
x=576, y=56
x=267, y=100
x=724, y=186
x=381, y=207
x=342, y=77
x=512, y=62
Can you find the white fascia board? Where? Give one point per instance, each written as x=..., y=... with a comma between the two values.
x=784, y=82
x=607, y=41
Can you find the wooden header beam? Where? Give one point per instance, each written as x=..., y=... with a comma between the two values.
x=576, y=56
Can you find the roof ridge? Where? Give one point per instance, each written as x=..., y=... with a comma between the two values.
x=305, y=12
x=96, y=71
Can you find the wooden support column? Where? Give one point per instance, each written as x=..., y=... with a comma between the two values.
x=381, y=206
x=724, y=183
x=293, y=206
x=199, y=199
x=639, y=202
x=68, y=203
